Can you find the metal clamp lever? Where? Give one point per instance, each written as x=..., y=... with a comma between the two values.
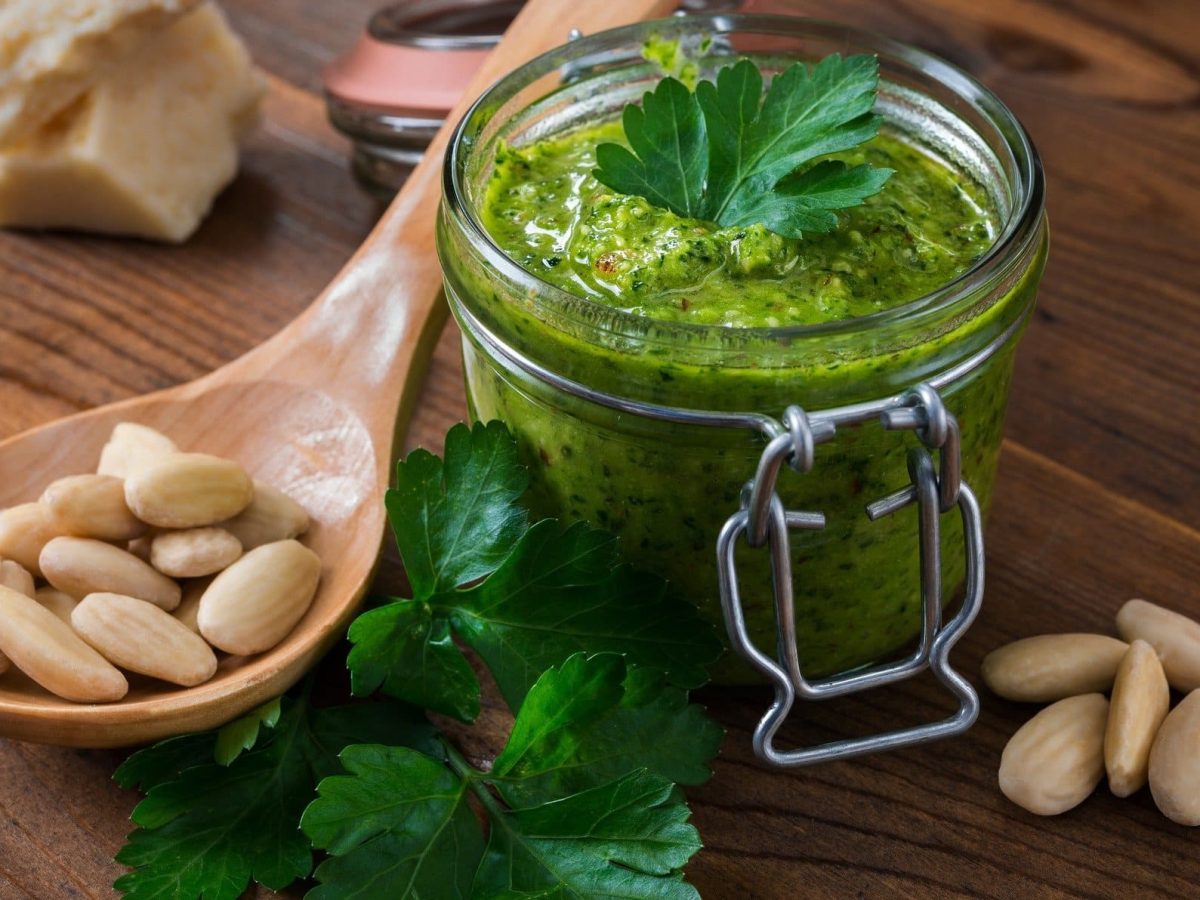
x=763, y=519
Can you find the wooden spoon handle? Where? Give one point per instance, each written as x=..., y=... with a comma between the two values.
x=367, y=338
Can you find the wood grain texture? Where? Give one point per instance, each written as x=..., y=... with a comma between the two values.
x=1098, y=490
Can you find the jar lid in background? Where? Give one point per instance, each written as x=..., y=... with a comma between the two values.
x=391, y=92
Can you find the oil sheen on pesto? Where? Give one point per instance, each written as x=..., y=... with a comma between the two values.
x=549, y=214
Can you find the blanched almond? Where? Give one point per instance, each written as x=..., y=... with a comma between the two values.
x=16, y=576
x=1053, y=666
x=62, y=605
x=131, y=448
x=188, y=490
x=194, y=552
x=1175, y=763
x=189, y=606
x=93, y=506
x=256, y=602
x=140, y=547
x=24, y=531
x=140, y=637
x=13, y=575
x=46, y=649
x=271, y=516
x=1175, y=638
x=1140, y=700
x=1056, y=759
x=82, y=566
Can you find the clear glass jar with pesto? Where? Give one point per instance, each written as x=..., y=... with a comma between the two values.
x=555, y=279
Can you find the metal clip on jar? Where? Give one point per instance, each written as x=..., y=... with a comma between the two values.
x=668, y=419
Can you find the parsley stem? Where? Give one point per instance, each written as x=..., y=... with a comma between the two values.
x=473, y=778
x=457, y=761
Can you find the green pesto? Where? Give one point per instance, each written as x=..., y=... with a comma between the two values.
x=550, y=215
x=667, y=489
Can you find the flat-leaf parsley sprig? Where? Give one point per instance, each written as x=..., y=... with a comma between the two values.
x=581, y=802
x=524, y=597
x=595, y=659
x=728, y=154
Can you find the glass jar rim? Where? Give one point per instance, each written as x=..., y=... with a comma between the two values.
x=1018, y=234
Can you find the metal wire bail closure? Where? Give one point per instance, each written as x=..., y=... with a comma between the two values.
x=764, y=521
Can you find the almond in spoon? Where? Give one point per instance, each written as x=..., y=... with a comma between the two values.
x=194, y=552
x=189, y=606
x=256, y=602
x=271, y=516
x=140, y=637
x=188, y=490
x=46, y=649
x=81, y=566
x=62, y=605
x=93, y=506
x=16, y=576
x=131, y=448
x=13, y=575
x=24, y=531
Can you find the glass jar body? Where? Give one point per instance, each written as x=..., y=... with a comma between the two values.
x=667, y=488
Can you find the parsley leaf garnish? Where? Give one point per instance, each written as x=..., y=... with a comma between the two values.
x=667, y=134
x=205, y=829
x=595, y=719
x=589, y=808
x=457, y=521
x=398, y=825
x=540, y=593
x=728, y=154
x=624, y=839
x=242, y=734
x=582, y=802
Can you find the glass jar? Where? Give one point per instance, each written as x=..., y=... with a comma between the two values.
x=572, y=378
x=392, y=90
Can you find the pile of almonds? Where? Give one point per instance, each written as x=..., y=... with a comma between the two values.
x=1055, y=761
x=149, y=564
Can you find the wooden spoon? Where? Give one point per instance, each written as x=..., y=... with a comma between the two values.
x=318, y=410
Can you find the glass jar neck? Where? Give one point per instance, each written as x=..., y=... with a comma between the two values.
x=645, y=359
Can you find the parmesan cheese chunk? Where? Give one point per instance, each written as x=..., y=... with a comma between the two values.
x=52, y=51
x=144, y=151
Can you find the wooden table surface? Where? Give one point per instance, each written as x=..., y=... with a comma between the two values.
x=1098, y=498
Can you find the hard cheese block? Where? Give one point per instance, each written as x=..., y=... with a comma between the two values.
x=146, y=150
x=51, y=51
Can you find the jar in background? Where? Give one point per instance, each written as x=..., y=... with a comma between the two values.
x=392, y=91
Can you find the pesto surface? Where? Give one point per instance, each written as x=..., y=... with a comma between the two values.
x=549, y=214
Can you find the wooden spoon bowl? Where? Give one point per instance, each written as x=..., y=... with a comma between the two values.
x=316, y=411
x=316, y=450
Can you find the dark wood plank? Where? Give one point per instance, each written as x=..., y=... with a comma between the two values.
x=1096, y=501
